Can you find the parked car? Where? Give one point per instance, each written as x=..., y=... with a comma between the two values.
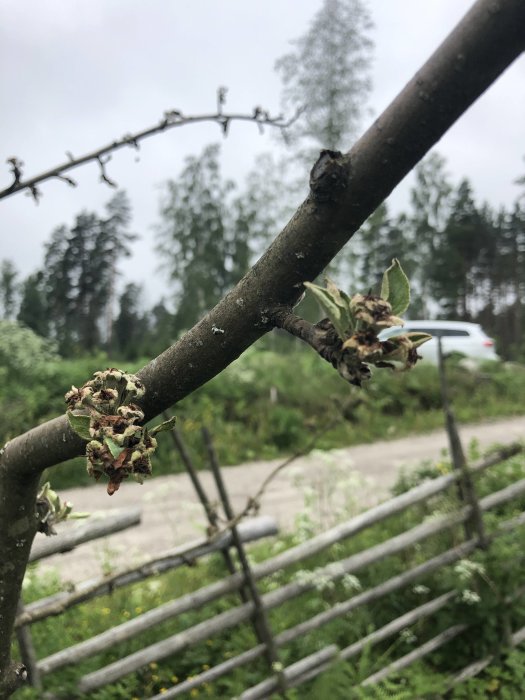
x=468, y=339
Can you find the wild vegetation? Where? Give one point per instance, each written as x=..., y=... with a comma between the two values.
x=481, y=582
x=268, y=403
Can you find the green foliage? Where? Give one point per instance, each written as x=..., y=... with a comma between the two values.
x=23, y=354
x=27, y=367
x=268, y=403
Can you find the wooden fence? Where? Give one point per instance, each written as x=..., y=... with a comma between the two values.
x=66, y=541
x=254, y=607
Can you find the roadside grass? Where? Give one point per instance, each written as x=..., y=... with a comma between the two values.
x=269, y=404
x=502, y=567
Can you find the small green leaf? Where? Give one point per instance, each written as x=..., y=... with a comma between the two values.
x=166, y=425
x=79, y=422
x=396, y=288
x=418, y=339
x=115, y=449
x=332, y=306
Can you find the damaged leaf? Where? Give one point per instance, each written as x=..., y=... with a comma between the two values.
x=116, y=450
x=349, y=337
x=103, y=412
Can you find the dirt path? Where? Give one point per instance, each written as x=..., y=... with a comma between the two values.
x=354, y=478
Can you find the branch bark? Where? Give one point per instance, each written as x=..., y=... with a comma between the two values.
x=345, y=190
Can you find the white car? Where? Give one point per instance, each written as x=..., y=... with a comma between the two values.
x=468, y=339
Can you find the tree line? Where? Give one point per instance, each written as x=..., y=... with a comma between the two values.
x=466, y=259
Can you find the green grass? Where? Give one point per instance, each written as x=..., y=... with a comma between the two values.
x=268, y=404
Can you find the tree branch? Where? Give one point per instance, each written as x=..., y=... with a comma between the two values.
x=322, y=336
x=488, y=38
x=171, y=119
x=345, y=190
x=13, y=678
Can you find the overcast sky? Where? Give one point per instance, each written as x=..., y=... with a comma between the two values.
x=77, y=74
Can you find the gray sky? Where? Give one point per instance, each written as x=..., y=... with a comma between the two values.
x=76, y=75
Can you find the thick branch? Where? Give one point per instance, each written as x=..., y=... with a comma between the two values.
x=17, y=527
x=13, y=678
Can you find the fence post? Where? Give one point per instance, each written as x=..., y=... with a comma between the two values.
x=178, y=442
x=260, y=618
x=474, y=526
x=209, y=509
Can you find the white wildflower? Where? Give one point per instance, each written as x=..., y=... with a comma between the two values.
x=408, y=637
x=470, y=597
x=465, y=569
x=351, y=583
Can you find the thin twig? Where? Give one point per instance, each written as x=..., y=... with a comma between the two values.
x=171, y=118
x=253, y=502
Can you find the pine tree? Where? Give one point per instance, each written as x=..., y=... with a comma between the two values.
x=258, y=212
x=380, y=239
x=79, y=274
x=456, y=270
x=194, y=236
x=33, y=311
x=161, y=332
x=8, y=288
x=130, y=327
x=431, y=203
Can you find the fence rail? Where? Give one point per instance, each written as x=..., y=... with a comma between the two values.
x=249, y=531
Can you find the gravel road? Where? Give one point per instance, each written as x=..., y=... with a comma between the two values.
x=354, y=478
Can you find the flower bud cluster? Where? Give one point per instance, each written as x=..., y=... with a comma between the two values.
x=351, y=331
x=102, y=411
